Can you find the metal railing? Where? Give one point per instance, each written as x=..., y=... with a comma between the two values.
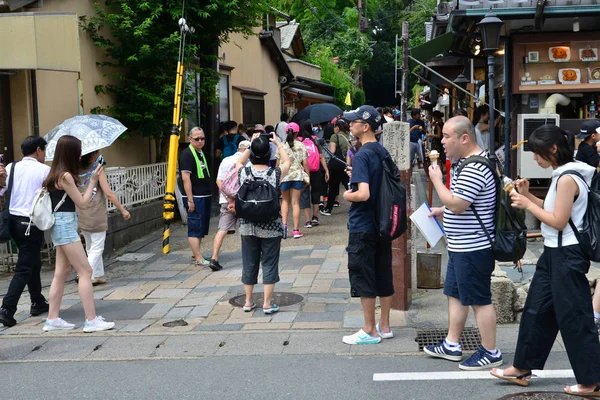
x=137, y=185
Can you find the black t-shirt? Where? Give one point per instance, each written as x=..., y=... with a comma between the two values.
x=230, y=137
x=187, y=163
x=588, y=154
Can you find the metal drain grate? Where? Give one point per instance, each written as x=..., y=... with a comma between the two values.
x=536, y=396
x=469, y=341
x=279, y=298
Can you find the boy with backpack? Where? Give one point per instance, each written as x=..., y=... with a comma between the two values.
x=587, y=151
x=369, y=256
x=471, y=257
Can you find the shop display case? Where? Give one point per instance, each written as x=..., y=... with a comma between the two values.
x=556, y=63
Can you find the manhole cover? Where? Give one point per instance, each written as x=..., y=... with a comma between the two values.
x=537, y=396
x=172, y=324
x=135, y=257
x=279, y=298
x=469, y=341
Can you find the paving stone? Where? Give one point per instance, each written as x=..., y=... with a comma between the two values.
x=284, y=316
x=224, y=327
x=134, y=327
x=191, y=345
x=353, y=321
x=343, y=307
x=315, y=343
x=169, y=293
x=110, y=310
x=201, y=311
x=200, y=288
x=253, y=344
x=66, y=348
x=158, y=310
x=159, y=274
x=18, y=348
x=319, y=316
x=341, y=283
x=313, y=307
x=266, y=327
x=330, y=295
x=178, y=312
x=128, y=347
x=316, y=325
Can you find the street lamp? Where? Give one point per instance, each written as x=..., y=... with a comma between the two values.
x=490, y=27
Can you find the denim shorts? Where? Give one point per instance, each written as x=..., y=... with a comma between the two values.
x=65, y=228
x=469, y=277
x=297, y=185
x=198, y=221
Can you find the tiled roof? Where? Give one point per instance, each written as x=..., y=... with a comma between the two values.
x=288, y=31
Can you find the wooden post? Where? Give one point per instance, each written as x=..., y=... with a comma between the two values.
x=396, y=140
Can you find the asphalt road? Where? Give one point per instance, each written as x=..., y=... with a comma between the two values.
x=255, y=377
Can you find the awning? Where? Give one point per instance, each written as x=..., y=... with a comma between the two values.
x=312, y=95
x=249, y=90
x=47, y=41
x=429, y=50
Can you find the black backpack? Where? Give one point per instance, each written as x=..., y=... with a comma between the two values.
x=257, y=200
x=510, y=242
x=589, y=235
x=391, y=200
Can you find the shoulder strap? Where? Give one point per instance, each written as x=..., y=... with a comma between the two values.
x=571, y=223
x=60, y=203
x=10, y=185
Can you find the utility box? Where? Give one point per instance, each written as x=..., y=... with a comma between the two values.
x=429, y=270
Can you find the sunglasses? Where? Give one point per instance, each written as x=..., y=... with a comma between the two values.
x=198, y=139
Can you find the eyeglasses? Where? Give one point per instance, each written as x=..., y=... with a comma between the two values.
x=360, y=121
x=198, y=139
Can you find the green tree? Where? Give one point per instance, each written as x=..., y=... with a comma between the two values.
x=141, y=42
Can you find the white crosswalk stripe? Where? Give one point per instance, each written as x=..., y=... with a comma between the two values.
x=461, y=375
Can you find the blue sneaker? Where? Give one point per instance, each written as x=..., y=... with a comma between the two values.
x=441, y=351
x=481, y=359
x=274, y=308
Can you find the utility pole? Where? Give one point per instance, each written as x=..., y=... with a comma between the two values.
x=396, y=71
x=404, y=88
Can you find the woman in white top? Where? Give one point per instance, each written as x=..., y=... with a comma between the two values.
x=559, y=298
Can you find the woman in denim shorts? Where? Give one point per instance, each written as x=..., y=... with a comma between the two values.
x=62, y=186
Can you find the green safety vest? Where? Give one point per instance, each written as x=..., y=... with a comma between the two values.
x=198, y=165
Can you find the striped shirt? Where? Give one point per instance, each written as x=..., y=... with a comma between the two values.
x=477, y=186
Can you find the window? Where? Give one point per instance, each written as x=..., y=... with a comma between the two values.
x=224, y=98
x=254, y=110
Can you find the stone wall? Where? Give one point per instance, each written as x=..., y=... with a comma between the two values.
x=509, y=298
x=145, y=218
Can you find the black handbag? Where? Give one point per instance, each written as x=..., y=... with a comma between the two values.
x=5, y=216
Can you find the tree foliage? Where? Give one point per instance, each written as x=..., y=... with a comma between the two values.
x=141, y=39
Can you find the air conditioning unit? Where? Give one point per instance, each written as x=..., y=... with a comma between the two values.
x=527, y=167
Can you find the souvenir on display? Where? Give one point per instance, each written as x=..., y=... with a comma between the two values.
x=569, y=75
x=547, y=80
x=588, y=54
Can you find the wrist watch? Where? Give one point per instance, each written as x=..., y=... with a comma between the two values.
x=190, y=201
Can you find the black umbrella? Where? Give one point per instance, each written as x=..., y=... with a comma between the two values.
x=318, y=113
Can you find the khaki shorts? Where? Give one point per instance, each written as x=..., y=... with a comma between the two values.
x=227, y=220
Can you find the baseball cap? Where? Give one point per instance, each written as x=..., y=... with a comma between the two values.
x=260, y=148
x=293, y=126
x=366, y=113
x=244, y=144
x=589, y=128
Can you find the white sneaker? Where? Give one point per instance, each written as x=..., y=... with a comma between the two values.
x=57, y=324
x=361, y=337
x=97, y=324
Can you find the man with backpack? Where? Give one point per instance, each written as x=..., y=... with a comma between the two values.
x=471, y=257
x=369, y=257
x=227, y=219
x=228, y=144
x=29, y=174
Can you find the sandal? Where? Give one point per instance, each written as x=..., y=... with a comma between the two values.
x=574, y=390
x=521, y=380
x=250, y=307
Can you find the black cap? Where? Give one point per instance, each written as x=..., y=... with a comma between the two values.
x=589, y=128
x=366, y=113
x=260, y=148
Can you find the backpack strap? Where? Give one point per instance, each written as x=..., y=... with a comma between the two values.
x=571, y=223
x=486, y=162
x=10, y=186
